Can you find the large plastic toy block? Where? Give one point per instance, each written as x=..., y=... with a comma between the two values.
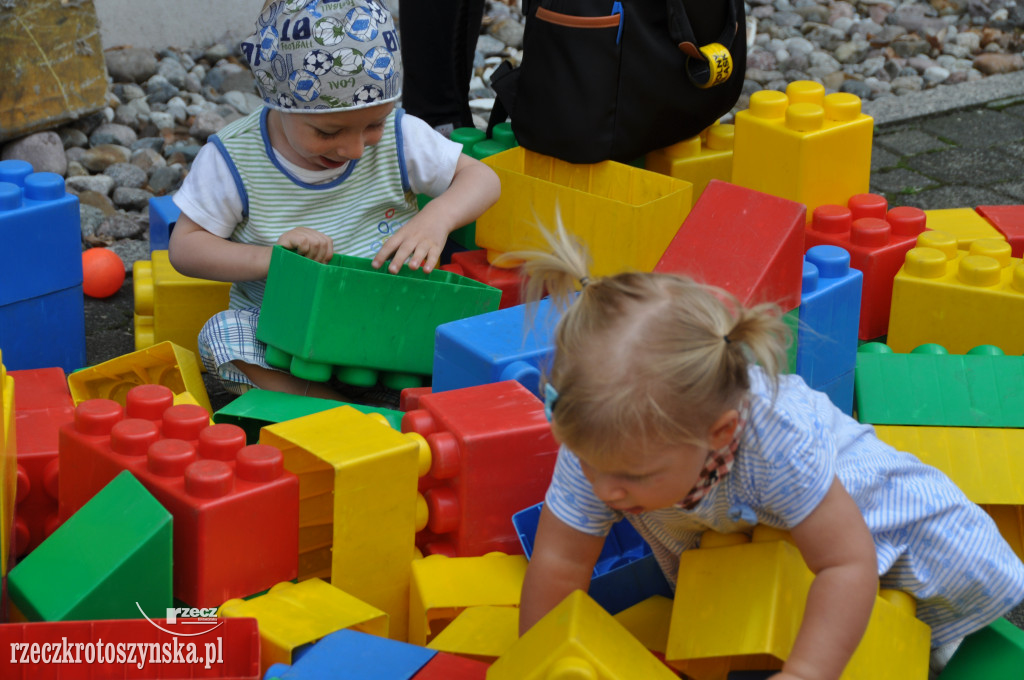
x=625, y=573
x=510, y=344
x=625, y=216
x=996, y=651
x=829, y=318
x=877, y=241
x=352, y=655
x=171, y=306
x=1009, y=520
x=749, y=243
x=164, y=364
x=443, y=666
x=492, y=454
x=444, y=586
x=360, y=509
x=228, y=648
x=113, y=553
x=1008, y=221
x=483, y=633
x=768, y=589
x=40, y=233
x=963, y=223
x=293, y=616
x=803, y=145
x=235, y=508
x=578, y=639
x=8, y=467
x=930, y=386
x=163, y=213
x=958, y=299
x=45, y=331
x=44, y=405
x=648, y=621
x=474, y=264
x=697, y=160
x=359, y=322
x=257, y=408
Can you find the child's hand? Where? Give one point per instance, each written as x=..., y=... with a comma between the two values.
x=420, y=241
x=308, y=243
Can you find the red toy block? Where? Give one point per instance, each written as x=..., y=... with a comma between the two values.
x=473, y=264
x=877, y=248
x=492, y=454
x=410, y=398
x=747, y=242
x=445, y=666
x=1009, y=220
x=235, y=508
x=42, y=405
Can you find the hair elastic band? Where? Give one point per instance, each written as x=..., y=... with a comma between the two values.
x=727, y=339
x=584, y=280
x=550, y=400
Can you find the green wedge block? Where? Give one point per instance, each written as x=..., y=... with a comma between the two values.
x=107, y=561
x=996, y=652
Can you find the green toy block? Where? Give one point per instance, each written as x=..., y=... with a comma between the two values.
x=929, y=386
x=107, y=561
x=792, y=321
x=257, y=408
x=996, y=652
x=359, y=322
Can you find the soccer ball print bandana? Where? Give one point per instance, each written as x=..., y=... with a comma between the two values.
x=311, y=56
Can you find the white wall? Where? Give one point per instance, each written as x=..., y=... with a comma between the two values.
x=174, y=23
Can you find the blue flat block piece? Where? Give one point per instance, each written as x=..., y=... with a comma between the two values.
x=351, y=655
x=515, y=343
x=829, y=315
x=40, y=234
x=163, y=213
x=45, y=331
x=840, y=391
x=625, y=573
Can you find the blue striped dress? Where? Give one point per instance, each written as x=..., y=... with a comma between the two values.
x=931, y=541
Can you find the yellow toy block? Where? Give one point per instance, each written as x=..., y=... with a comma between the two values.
x=958, y=299
x=482, y=633
x=358, y=505
x=444, y=586
x=648, y=621
x=803, y=145
x=626, y=216
x=164, y=364
x=739, y=607
x=964, y=223
x=697, y=160
x=985, y=462
x=8, y=465
x=172, y=306
x=291, y=615
x=578, y=640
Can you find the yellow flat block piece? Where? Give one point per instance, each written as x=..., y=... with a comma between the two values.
x=958, y=298
x=648, y=621
x=804, y=145
x=575, y=640
x=444, y=586
x=357, y=484
x=964, y=223
x=626, y=216
x=165, y=364
x=8, y=465
x=482, y=633
x=744, y=603
x=171, y=306
x=291, y=615
x=1009, y=520
x=697, y=160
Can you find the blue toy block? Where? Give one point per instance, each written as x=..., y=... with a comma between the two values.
x=829, y=318
x=350, y=655
x=625, y=573
x=40, y=234
x=510, y=344
x=840, y=391
x=45, y=331
x=163, y=213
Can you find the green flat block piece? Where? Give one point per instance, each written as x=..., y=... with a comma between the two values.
x=996, y=652
x=929, y=386
x=257, y=408
x=111, y=554
x=357, y=322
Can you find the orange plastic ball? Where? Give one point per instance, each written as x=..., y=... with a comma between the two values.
x=102, y=272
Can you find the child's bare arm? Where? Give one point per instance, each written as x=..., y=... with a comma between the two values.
x=474, y=189
x=837, y=546
x=563, y=561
